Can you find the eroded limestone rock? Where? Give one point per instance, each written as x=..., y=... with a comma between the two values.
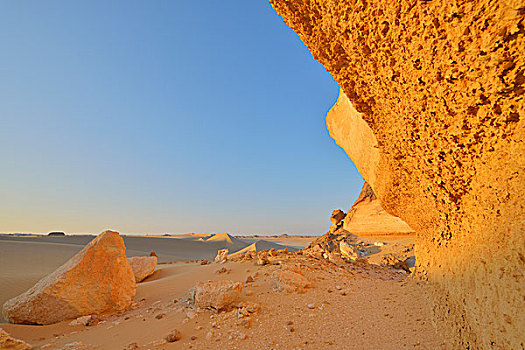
x=290, y=281
x=222, y=256
x=217, y=295
x=367, y=217
x=96, y=280
x=337, y=216
x=432, y=113
x=143, y=266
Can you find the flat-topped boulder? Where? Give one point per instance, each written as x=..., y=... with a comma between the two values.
x=98, y=279
x=143, y=266
x=217, y=295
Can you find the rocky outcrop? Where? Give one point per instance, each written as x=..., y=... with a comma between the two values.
x=222, y=256
x=7, y=342
x=432, y=113
x=368, y=218
x=143, y=266
x=98, y=279
x=217, y=295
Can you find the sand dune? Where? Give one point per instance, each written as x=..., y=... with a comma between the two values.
x=226, y=241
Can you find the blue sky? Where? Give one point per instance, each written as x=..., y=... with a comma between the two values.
x=164, y=116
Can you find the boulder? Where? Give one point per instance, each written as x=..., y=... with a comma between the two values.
x=143, y=266
x=217, y=295
x=348, y=251
x=98, y=279
x=290, y=281
x=337, y=216
x=9, y=343
x=222, y=256
x=262, y=258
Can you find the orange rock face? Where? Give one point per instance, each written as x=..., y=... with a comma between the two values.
x=440, y=84
x=367, y=217
x=98, y=279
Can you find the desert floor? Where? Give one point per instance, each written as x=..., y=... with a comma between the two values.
x=348, y=306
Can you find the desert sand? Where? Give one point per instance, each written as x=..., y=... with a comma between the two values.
x=24, y=260
x=345, y=305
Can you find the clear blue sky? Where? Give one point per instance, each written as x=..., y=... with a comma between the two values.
x=164, y=116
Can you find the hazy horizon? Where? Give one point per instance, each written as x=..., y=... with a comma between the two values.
x=164, y=117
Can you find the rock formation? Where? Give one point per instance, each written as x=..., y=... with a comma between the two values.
x=96, y=280
x=432, y=113
x=367, y=217
x=143, y=266
x=222, y=256
x=217, y=295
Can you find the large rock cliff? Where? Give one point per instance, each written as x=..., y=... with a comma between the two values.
x=440, y=84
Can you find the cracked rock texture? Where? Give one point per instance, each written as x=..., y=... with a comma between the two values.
x=440, y=84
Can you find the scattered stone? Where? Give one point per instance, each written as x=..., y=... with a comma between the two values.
x=248, y=293
x=8, y=342
x=249, y=279
x=222, y=256
x=348, y=251
x=75, y=346
x=217, y=295
x=80, y=321
x=222, y=270
x=160, y=316
x=396, y=262
x=289, y=281
x=193, y=337
x=96, y=280
x=152, y=253
x=205, y=262
x=173, y=336
x=262, y=258
x=143, y=266
x=132, y=346
x=311, y=306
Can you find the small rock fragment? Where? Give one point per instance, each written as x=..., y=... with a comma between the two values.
x=173, y=336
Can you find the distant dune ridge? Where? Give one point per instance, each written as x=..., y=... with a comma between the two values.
x=227, y=241
x=367, y=217
x=262, y=245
